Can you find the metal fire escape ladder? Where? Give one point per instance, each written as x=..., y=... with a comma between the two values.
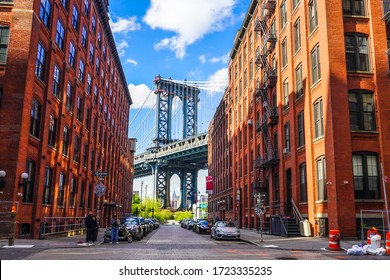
x=269, y=80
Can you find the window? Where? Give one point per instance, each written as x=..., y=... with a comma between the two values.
x=91, y=51
x=301, y=129
x=47, y=185
x=285, y=95
x=76, y=149
x=4, y=39
x=356, y=48
x=52, y=131
x=85, y=155
x=40, y=63
x=73, y=191
x=298, y=82
x=321, y=179
x=287, y=137
x=44, y=12
x=86, y=7
x=69, y=97
x=93, y=24
x=65, y=140
x=61, y=189
x=75, y=18
x=60, y=35
x=87, y=118
x=28, y=189
x=313, y=18
x=65, y=4
x=81, y=70
x=366, y=176
x=97, y=67
x=79, y=108
x=283, y=14
x=99, y=37
x=56, y=82
x=297, y=35
x=361, y=110
x=35, y=121
x=354, y=8
x=95, y=95
x=72, y=55
x=315, y=65
x=84, y=37
x=284, y=52
x=295, y=3
x=318, y=119
x=302, y=183
x=89, y=83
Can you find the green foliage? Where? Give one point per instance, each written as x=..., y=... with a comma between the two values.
x=150, y=208
x=180, y=215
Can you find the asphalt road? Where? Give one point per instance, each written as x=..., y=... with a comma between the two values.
x=169, y=242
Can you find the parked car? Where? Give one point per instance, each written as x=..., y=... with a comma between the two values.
x=189, y=224
x=195, y=225
x=156, y=223
x=134, y=225
x=223, y=230
x=124, y=234
x=203, y=226
x=150, y=222
x=183, y=223
x=144, y=226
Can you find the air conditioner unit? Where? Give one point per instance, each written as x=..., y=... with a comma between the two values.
x=286, y=150
x=249, y=122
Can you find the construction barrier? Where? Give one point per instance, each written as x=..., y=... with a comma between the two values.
x=371, y=233
x=334, y=239
x=388, y=243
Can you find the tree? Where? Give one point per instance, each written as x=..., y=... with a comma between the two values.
x=180, y=215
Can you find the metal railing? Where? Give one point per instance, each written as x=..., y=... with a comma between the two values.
x=61, y=225
x=377, y=219
x=298, y=216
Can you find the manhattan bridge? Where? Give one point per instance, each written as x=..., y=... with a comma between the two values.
x=172, y=136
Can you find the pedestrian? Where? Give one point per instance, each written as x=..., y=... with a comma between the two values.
x=114, y=230
x=91, y=226
x=230, y=223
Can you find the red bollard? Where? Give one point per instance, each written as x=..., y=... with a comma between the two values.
x=334, y=240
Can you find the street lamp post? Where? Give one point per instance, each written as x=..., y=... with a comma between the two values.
x=238, y=197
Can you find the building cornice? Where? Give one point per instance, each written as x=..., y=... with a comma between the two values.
x=102, y=9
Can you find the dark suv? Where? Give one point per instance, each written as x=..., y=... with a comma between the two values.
x=134, y=225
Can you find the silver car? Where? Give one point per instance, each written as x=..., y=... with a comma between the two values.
x=224, y=230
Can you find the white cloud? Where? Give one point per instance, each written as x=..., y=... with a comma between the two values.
x=202, y=59
x=189, y=19
x=124, y=25
x=131, y=61
x=140, y=93
x=218, y=81
x=222, y=59
x=121, y=47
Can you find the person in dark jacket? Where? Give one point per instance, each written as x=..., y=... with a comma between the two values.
x=92, y=227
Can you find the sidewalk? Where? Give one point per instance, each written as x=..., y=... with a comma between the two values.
x=300, y=243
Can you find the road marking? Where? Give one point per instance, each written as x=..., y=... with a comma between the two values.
x=18, y=246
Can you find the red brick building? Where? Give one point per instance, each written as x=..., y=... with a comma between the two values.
x=64, y=107
x=305, y=118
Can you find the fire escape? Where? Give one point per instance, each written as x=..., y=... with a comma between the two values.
x=263, y=90
x=386, y=18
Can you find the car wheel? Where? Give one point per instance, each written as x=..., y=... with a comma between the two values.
x=130, y=238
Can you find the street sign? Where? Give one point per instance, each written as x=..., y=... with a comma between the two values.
x=100, y=189
x=100, y=173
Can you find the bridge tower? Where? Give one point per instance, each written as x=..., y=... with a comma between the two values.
x=166, y=91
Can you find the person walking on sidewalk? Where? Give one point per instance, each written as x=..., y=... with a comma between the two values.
x=114, y=230
x=91, y=226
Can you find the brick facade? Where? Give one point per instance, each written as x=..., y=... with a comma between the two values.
x=332, y=197
x=92, y=107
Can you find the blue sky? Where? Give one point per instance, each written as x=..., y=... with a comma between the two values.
x=178, y=39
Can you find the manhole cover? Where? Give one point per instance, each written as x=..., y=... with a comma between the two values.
x=286, y=258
